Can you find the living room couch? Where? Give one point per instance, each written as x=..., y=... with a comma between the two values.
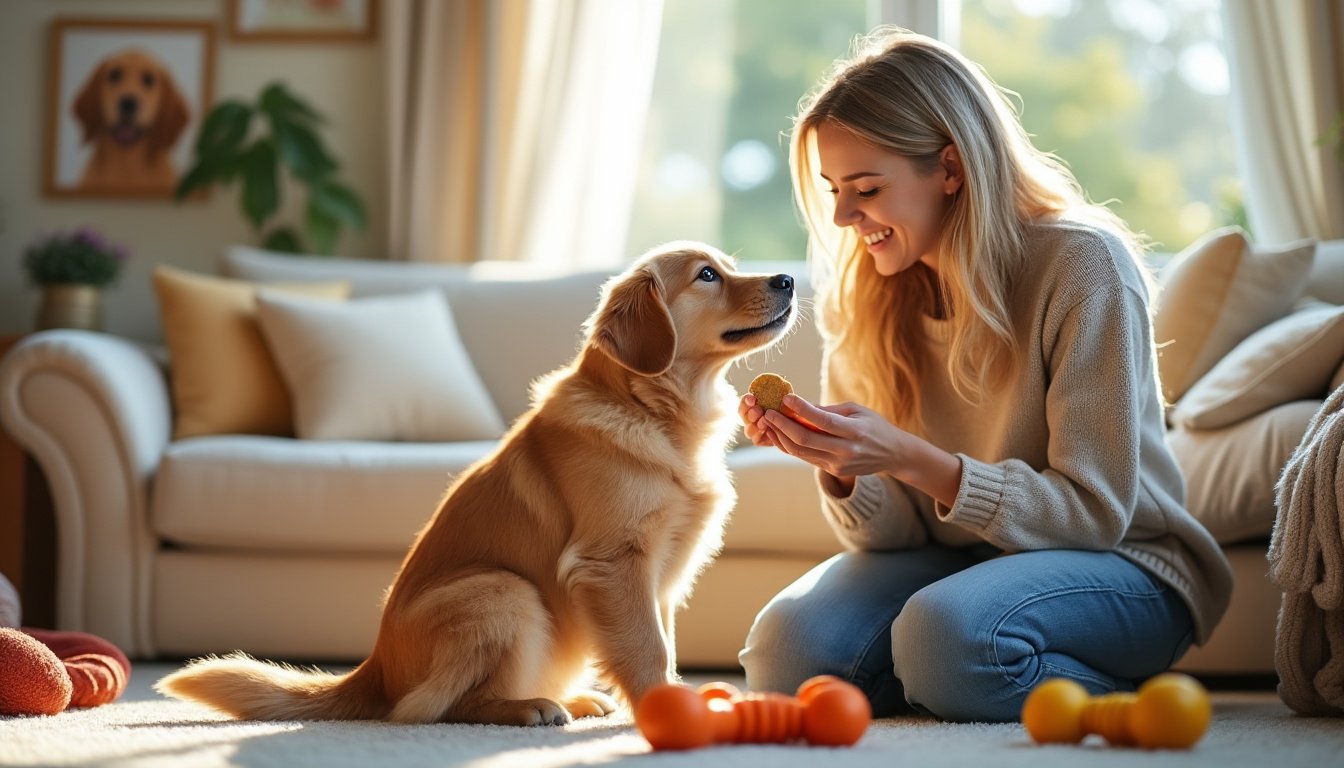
x=282, y=547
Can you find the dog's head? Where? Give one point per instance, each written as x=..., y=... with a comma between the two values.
x=686, y=301
x=131, y=97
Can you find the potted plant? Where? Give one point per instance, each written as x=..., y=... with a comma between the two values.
x=259, y=144
x=71, y=268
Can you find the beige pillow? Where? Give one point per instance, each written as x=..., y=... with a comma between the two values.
x=1289, y=359
x=221, y=375
x=1214, y=294
x=1230, y=473
x=378, y=368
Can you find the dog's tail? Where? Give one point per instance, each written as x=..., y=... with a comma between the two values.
x=248, y=689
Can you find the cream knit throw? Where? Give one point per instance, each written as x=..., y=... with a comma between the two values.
x=1306, y=560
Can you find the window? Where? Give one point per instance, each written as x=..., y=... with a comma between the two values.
x=1131, y=94
x=729, y=77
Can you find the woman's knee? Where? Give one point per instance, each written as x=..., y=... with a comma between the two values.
x=943, y=656
x=782, y=649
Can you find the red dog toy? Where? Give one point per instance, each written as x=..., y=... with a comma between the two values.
x=43, y=671
x=827, y=711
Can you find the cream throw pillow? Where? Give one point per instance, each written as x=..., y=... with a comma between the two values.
x=1289, y=359
x=1216, y=293
x=1230, y=473
x=378, y=368
x=221, y=374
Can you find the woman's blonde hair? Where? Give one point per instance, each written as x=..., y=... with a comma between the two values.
x=911, y=95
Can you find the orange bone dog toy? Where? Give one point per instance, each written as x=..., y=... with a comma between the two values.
x=827, y=711
x=1170, y=711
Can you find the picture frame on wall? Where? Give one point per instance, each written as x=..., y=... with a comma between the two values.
x=302, y=20
x=125, y=99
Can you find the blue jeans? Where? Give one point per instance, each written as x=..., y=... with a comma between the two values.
x=964, y=635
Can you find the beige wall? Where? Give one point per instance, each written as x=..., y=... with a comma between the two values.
x=342, y=80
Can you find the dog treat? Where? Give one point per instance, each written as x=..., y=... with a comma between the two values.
x=770, y=389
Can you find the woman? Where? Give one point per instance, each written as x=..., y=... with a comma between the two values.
x=995, y=456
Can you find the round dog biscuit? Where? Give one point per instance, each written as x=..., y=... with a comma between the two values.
x=770, y=389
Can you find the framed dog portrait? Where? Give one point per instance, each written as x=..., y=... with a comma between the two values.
x=302, y=20
x=126, y=97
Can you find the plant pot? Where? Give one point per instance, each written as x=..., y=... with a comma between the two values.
x=70, y=305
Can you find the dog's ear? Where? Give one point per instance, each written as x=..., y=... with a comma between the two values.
x=173, y=114
x=633, y=325
x=88, y=106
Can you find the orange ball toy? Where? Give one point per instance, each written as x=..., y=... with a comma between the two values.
x=34, y=680
x=1170, y=711
x=827, y=711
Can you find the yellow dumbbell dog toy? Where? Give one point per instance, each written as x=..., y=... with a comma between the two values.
x=1170, y=711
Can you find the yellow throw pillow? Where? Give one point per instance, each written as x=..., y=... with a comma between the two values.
x=222, y=377
x=1217, y=292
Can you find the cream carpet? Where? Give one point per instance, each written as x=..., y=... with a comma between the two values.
x=145, y=729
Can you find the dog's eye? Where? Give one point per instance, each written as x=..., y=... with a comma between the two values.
x=708, y=274
x=148, y=79
x=114, y=74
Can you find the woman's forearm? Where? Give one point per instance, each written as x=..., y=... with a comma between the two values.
x=929, y=468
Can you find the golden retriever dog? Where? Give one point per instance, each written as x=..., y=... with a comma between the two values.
x=132, y=112
x=569, y=549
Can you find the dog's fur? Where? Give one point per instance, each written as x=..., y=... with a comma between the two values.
x=573, y=543
x=132, y=112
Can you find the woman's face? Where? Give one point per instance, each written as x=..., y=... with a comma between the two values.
x=894, y=209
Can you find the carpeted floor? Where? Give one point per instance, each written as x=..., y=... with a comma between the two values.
x=144, y=729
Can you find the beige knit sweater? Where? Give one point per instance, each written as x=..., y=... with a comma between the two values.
x=1071, y=453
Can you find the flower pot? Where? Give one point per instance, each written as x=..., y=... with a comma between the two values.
x=70, y=305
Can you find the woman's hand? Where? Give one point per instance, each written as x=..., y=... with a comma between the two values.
x=844, y=440
x=849, y=440
x=750, y=413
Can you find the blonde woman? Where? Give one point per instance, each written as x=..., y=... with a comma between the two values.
x=992, y=447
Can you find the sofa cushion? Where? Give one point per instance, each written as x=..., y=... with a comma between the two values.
x=518, y=320
x=1217, y=292
x=377, y=368
x=222, y=377
x=1230, y=473
x=267, y=493
x=1290, y=359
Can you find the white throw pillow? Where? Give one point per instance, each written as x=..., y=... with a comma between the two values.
x=1290, y=359
x=1215, y=293
x=378, y=368
x=1230, y=473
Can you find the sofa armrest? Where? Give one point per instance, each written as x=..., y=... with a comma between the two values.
x=94, y=411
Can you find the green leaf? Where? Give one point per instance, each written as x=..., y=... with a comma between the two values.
x=338, y=202
x=261, y=185
x=322, y=228
x=301, y=149
x=223, y=130
x=275, y=100
x=198, y=177
x=284, y=239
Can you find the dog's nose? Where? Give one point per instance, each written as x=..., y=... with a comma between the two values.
x=782, y=282
x=127, y=106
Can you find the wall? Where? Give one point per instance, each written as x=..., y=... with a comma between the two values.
x=343, y=80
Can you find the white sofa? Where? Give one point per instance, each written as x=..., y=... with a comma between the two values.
x=283, y=547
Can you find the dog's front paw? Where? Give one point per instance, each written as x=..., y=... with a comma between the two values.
x=590, y=704
x=523, y=712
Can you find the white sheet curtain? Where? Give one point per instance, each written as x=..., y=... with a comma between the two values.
x=515, y=127
x=1287, y=67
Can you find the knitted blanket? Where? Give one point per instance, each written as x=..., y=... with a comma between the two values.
x=1306, y=561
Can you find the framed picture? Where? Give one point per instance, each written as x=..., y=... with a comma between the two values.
x=302, y=20
x=125, y=99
